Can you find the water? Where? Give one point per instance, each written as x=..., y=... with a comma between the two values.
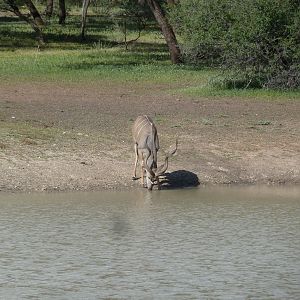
x=229, y=243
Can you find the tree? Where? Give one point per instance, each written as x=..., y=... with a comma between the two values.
x=34, y=13
x=85, y=6
x=166, y=29
x=131, y=8
x=33, y=19
x=61, y=12
x=49, y=8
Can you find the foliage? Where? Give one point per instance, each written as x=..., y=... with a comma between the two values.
x=202, y=26
x=128, y=14
x=257, y=40
x=102, y=56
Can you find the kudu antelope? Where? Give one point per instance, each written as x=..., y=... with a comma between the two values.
x=146, y=146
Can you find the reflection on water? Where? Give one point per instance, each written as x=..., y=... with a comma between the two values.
x=230, y=243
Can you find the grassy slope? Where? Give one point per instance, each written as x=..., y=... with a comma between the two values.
x=103, y=57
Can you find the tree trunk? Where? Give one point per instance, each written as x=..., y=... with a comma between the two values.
x=49, y=9
x=85, y=5
x=61, y=12
x=31, y=22
x=34, y=13
x=167, y=31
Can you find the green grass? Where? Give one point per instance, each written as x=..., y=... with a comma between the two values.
x=211, y=91
x=113, y=64
x=103, y=57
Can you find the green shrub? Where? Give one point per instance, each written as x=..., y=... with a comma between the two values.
x=258, y=41
x=202, y=26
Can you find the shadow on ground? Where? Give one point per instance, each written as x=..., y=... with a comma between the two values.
x=180, y=179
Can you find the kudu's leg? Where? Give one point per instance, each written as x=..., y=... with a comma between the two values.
x=142, y=174
x=145, y=156
x=158, y=183
x=136, y=161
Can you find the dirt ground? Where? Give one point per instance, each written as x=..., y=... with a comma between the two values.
x=78, y=137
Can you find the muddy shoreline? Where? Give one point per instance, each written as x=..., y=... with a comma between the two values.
x=64, y=137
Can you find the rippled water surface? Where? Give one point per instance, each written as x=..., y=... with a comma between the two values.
x=229, y=243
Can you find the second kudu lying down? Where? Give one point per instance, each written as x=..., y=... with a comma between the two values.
x=146, y=146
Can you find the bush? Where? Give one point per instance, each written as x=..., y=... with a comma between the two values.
x=202, y=26
x=258, y=41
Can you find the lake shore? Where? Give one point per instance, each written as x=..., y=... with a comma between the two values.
x=65, y=136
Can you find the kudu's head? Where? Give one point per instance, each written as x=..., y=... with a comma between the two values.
x=153, y=172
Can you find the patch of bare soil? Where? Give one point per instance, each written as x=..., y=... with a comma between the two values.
x=78, y=137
